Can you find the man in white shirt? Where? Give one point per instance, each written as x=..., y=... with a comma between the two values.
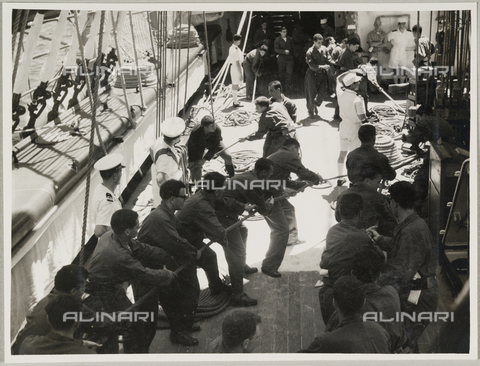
x=352, y=112
x=169, y=158
x=105, y=201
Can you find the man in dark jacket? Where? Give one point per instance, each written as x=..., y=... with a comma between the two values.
x=118, y=261
x=159, y=229
x=198, y=220
x=316, y=82
x=206, y=136
x=275, y=122
x=412, y=261
x=353, y=335
x=253, y=67
x=283, y=46
x=382, y=303
x=244, y=189
x=286, y=161
x=376, y=206
x=343, y=241
x=276, y=95
x=367, y=155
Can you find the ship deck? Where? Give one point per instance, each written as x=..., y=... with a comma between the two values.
x=289, y=305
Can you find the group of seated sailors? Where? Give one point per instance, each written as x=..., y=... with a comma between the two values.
x=379, y=257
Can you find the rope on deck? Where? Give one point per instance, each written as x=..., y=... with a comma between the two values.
x=208, y=306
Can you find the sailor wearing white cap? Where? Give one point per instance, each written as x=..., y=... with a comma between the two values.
x=105, y=202
x=402, y=40
x=325, y=29
x=352, y=112
x=169, y=158
x=352, y=33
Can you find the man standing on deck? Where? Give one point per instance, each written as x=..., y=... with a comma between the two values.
x=197, y=220
x=206, y=135
x=105, y=202
x=253, y=67
x=316, y=82
x=283, y=46
x=275, y=122
x=353, y=114
x=276, y=95
x=159, y=229
x=243, y=188
x=169, y=158
x=286, y=161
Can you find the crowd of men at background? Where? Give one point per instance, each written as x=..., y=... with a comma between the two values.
x=379, y=256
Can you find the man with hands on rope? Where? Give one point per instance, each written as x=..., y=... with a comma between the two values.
x=275, y=122
x=206, y=135
x=286, y=161
x=120, y=260
x=160, y=229
x=245, y=191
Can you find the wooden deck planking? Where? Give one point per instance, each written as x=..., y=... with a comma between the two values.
x=307, y=308
x=282, y=330
x=295, y=318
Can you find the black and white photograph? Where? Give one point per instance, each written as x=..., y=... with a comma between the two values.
x=287, y=182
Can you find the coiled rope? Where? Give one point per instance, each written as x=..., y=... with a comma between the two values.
x=239, y=118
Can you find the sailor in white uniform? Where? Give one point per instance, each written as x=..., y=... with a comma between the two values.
x=170, y=159
x=105, y=201
x=235, y=57
x=402, y=40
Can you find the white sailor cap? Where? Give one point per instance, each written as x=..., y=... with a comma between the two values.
x=351, y=78
x=109, y=162
x=402, y=20
x=323, y=21
x=351, y=26
x=172, y=127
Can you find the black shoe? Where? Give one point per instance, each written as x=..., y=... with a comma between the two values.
x=274, y=274
x=237, y=105
x=243, y=300
x=341, y=182
x=195, y=328
x=249, y=270
x=184, y=339
x=222, y=288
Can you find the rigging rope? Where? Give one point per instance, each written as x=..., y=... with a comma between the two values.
x=19, y=47
x=188, y=59
x=136, y=62
x=208, y=63
x=93, y=100
x=16, y=25
x=179, y=54
x=122, y=79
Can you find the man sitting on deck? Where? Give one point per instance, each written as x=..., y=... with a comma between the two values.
x=275, y=122
x=69, y=280
x=366, y=154
x=381, y=302
x=61, y=339
x=343, y=241
x=240, y=333
x=376, y=206
x=353, y=335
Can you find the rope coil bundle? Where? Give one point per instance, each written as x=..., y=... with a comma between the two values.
x=239, y=118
